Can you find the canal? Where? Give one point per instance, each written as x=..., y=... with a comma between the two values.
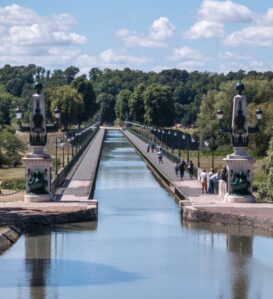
x=138, y=249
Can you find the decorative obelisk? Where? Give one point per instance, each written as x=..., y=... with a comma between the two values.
x=37, y=163
x=239, y=164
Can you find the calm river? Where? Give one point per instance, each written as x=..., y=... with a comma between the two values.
x=139, y=248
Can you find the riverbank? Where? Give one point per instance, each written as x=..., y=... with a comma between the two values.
x=71, y=203
x=198, y=207
x=17, y=217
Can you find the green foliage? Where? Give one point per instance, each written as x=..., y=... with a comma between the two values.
x=106, y=103
x=121, y=107
x=158, y=105
x=136, y=104
x=70, y=103
x=265, y=191
x=11, y=146
x=13, y=184
x=86, y=91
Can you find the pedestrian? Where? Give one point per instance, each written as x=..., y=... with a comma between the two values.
x=176, y=168
x=182, y=165
x=203, y=180
x=152, y=147
x=160, y=156
x=223, y=174
x=148, y=147
x=190, y=168
x=212, y=180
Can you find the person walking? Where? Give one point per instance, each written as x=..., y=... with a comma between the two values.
x=148, y=147
x=190, y=169
x=160, y=156
x=182, y=165
x=203, y=180
x=176, y=168
x=211, y=184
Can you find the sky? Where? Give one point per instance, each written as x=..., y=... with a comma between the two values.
x=149, y=35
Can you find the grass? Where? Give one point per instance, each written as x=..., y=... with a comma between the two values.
x=12, y=173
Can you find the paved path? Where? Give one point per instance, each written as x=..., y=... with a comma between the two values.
x=190, y=188
x=253, y=214
x=81, y=178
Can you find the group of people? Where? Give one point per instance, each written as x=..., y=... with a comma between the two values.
x=181, y=166
x=208, y=180
x=152, y=147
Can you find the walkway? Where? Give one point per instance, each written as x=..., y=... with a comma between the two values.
x=81, y=179
x=190, y=188
x=207, y=207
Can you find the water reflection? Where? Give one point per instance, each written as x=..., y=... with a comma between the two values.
x=241, y=248
x=138, y=249
x=37, y=259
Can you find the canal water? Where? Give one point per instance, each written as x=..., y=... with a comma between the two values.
x=138, y=249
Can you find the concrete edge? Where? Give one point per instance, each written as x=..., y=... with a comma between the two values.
x=11, y=233
x=8, y=236
x=194, y=214
x=93, y=184
x=161, y=177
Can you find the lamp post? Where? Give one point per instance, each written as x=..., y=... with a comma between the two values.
x=57, y=114
x=174, y=135
x=56, y=155
x=210, y=142
x=68, y=142
x=239, y=164
x=72, y=143
x=186, y=138
x=19, y=115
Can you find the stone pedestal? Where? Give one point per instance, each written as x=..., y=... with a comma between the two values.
x=238, y=162
x=38, y=162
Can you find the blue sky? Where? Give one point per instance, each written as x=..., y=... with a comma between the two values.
x=150, y=35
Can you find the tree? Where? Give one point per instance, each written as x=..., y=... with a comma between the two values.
x=11, y=147
x=69, y=102
x=266, y=191
x=136, y=104
x=86, y=91
x=159, y=105
x=121, y=107
x=107, y=112
x=70, y=73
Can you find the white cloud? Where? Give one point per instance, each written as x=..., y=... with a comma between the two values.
x=212, y=16
x=185, y=53
x=109, y=59
x=225, y=12
x=161, y=30
x=261, y=36
x=231, y=61
x=191, y=65
x=205, y=29
x=134, y=39
x=188, y=58
x=122, y=58
x=26, y=37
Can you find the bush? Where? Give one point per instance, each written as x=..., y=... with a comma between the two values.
x=13, y=184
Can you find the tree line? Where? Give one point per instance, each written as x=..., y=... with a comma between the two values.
x=159, y=99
